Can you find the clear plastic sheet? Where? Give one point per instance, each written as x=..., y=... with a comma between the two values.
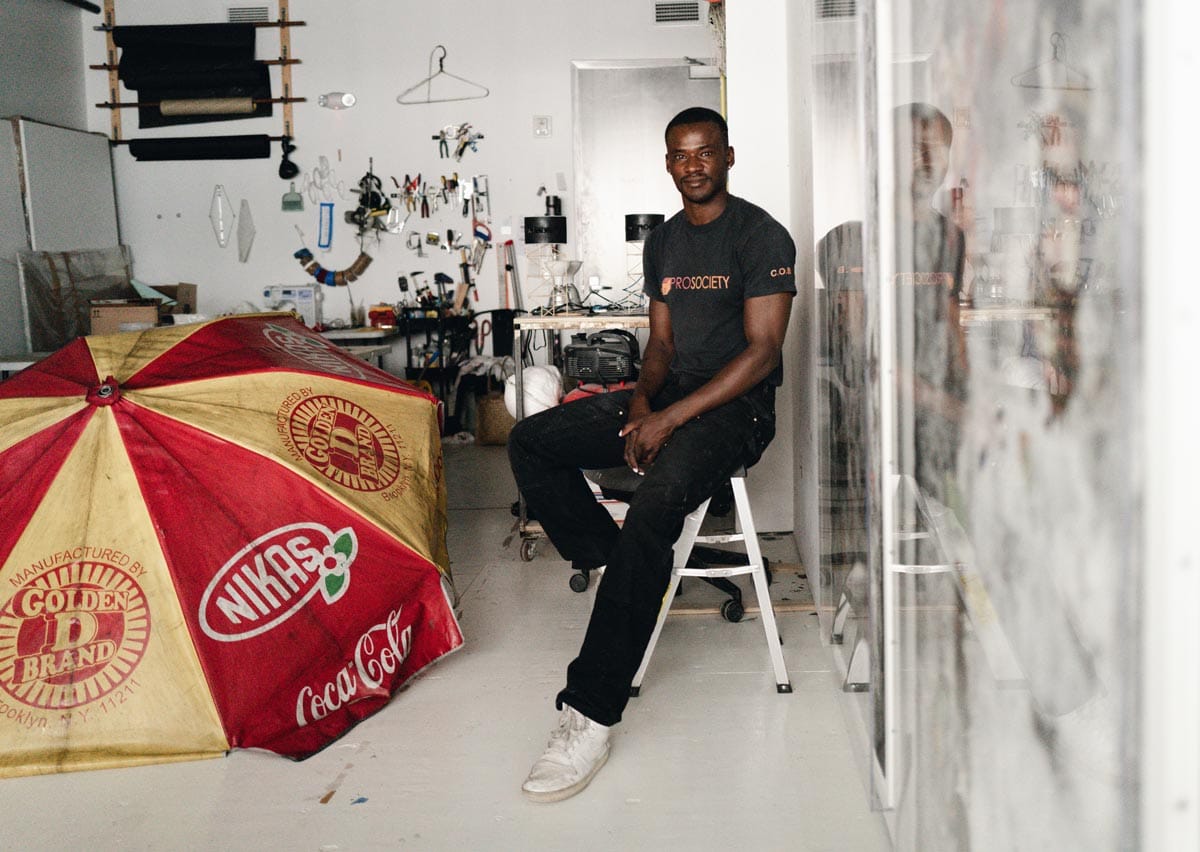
x=56, y=288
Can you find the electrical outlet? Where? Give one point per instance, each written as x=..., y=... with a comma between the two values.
x=542, y=127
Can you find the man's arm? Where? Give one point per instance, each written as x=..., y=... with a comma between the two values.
x=765, y=320
x=652, y=376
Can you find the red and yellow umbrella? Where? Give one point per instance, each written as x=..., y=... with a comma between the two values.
x=222, y=535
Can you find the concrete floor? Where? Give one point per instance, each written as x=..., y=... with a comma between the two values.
x=709, y=757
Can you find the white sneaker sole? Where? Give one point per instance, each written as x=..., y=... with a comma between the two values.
x=547, y=796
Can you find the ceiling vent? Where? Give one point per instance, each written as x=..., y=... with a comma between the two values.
x=249, y=15
x=828, y=9
x=669, y=13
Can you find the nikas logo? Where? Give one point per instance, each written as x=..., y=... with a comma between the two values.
x=273, y=577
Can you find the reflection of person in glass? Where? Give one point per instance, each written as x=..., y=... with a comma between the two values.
x=930, y=254
x=929, y=259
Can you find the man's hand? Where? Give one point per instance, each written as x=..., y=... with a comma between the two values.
x=645, y=433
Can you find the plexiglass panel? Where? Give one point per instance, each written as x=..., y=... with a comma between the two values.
x=979, y=346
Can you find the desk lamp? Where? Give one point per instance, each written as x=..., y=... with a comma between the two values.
x=552, y=231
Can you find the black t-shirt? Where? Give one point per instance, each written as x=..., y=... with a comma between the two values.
x=704, y=274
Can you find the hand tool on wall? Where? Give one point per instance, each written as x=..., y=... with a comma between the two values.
x=443, y=141
x=482, y=202
x=479, y=245
x=292, y=200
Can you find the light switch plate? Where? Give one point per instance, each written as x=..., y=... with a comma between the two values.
x=542, y=127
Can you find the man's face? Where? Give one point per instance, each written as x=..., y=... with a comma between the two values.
x=923, y=157
x=698, y=161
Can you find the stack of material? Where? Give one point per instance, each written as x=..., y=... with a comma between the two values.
x=193, y=72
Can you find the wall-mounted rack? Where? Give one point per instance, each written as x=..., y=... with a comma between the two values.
x=111, y=65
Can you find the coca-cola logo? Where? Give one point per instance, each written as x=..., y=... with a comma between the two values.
x=379, y=653
x=273, y=577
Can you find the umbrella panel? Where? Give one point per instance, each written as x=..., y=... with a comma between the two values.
x=306, y=614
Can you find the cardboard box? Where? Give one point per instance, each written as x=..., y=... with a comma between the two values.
x=184, y=296
x=112, y=316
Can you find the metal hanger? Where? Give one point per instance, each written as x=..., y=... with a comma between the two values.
x=1054, y=73
x=428, y=84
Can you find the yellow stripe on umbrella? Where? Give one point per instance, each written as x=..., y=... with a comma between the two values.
x=96, y=665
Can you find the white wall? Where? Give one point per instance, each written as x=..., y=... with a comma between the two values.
x=1170, y=743
x=769, y=128
x=376, y=49
x=41, y=65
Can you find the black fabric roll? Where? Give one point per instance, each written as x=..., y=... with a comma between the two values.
x=187, y=37
x=255, y=147
x=191, y=61
x=190, y=75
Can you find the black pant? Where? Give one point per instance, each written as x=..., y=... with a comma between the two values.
x=547, y=452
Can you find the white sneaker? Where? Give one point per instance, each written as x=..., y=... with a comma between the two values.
x=576, y=751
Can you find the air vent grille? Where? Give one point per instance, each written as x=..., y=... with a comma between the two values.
x=677, y=12
x=249, y=14
x=827, y=9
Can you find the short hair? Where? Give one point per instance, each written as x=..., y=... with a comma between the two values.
x=925, y=114
x=700, y=115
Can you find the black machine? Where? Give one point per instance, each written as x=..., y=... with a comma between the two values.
x=612, y=355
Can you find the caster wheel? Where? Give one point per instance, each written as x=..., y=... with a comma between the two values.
x=732, y=611
x=579, y=582
x=528, y=549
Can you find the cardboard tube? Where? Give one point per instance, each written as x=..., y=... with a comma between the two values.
x=207, y=106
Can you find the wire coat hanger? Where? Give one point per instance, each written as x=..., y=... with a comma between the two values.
x=1055, y=73
x=427, y=83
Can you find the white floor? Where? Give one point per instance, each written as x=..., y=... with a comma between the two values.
x=709, y=757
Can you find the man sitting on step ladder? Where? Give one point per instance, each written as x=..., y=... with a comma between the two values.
x=719, y=276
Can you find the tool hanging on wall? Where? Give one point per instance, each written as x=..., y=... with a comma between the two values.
x=325, y=226
x=442, y=137
x=373, y=206
x=466, y=139
x=480, y=243
x=416, y=243
x=292, y=201
x=480, y=196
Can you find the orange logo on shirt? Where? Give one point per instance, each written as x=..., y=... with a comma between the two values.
x=695, y=282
